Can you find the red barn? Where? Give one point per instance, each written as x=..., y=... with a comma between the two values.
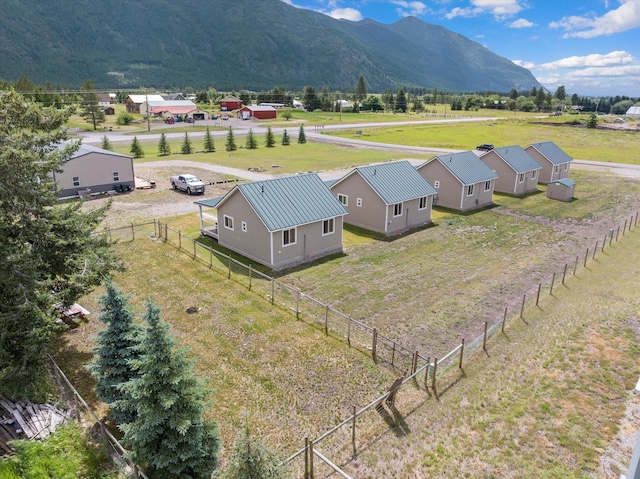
x=258, y=112
x=230, y=102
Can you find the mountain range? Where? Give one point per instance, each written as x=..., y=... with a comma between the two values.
x=238, y=44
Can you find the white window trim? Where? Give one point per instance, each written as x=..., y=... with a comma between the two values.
x=295, y=237
x=487, y=185
x=521, y=177
x=533, y=174
x=344, y=199
x=225, y=222
x=76, y=180
x=555, y=169
x=426, y=203
x=436, y=184
x=470, y=189
x=395, y=208
x=566, y=166
x=244, y=226
x=359, y=201
x=330, y=222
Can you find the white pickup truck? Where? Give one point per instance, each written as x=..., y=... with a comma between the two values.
x=188, y=183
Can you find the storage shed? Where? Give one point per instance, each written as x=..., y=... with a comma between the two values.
x=258, y=112
x=230, y=102
x=563, y=189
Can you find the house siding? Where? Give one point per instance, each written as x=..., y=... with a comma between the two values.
x=508, y=179
x=94, y=171
x=547, y=174
x=450, y=189
x=411, y=216
x=479, y=199
x=255, y=242
x=371, y=215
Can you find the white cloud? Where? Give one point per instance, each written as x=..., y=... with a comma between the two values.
x=407, y=9
x=623, y=18
x=521, y=23
x=500, y=9
x=346, y=14
x=593, y=60
x=466, y=12
x=523, y=64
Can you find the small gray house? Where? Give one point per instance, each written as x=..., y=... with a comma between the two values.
x=94, y=169
x=554, y=161
x=462, y=181
x=517, y=172
x=387, y=198
x=278, y=223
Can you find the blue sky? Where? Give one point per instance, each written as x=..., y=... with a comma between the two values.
x=592, y=47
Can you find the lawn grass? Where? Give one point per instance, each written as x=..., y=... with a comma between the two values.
x=578, y=142
x=547, y=398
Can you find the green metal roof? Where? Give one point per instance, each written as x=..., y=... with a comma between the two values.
x=552, y=152
x=565, y=182
x=209, y=202
x=466, y=166
x=396, y=181
x=517, y=158
x=290, y=201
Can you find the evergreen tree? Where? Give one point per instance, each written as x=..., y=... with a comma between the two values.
x=401, y=101
x=251, y=142
x=286, y=141
x=187, y=147
x=513, y=94
x=208, y=142
x=388, y=100
x=114, y=353
x=231, y=142
x=270, y=140
x=91, y=111
x=251, y=459
x=302, y=138
x=311, y=100
x=45, y=246
x=136, y=150
x=169, y=434
x=361, y=90
x=561, y=93
x=163, y=146
x=106, y=144
x=592, y=122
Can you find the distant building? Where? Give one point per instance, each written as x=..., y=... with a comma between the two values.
x=633, y=111
x=258, y=112
x=133, y=102
x=229, y=103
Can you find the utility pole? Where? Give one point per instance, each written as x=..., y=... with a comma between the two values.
x=146, y=99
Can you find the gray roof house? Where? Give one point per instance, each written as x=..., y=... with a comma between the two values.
x=387, y=198
x=278, y=223
x=554, y=161
x=94, y=169
x=462, y=181
x=517, y=171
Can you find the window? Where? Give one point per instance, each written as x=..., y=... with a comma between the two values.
x=555, y=169
x=533, y=174
x=328, y=226
x=397, y=209
x=521, y=177
x=228, y=222
x=116, y=176
x=487, y=185
x=288, y=237
x=344, y=199
x=469, y=190
x=566, y=166
x=422, y=203
x=76, y=181
x=359, y=201
x=244, y=226
x=436, y=184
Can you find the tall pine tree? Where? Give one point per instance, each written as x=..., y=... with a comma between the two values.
x=113, y=355
x=302, y=138
x=285, y=138
x=136, y=150
x=231, y=142
x=106, y=144
x=163, y=146
x=208, y=141
x=187, y=147
x=251, y=142
x=169, y=434
x=270, y=140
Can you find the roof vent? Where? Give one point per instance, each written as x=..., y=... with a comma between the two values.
x=262, y=189
x=374, y=171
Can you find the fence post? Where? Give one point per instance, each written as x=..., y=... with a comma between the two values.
x=353, y=431
x=484, y=337
x=229, y=273
x=603, y=243
x=564, y=274
x=435, y=368
x=594, y=251
x=524, y=298
x=610, y=236
x=349, y=330
x=635, y=223
x=273, y=288
x=179, y=239
x=553, y=280
x=166, y=232
x=298, y=305
x=393, y=353
x=210, y=257
x=154, y=228
x=575, y=266
x=538, y=295
x=374, y=344
x=414, y=363
x=326, y=319
x=586, y=255
x=630, y=222
x=133, y=233
x=462, y=352
x=426, y=374
x=624, y=227
x=311, y=471
x=250, y=277
x=306, y=458
x=110, y=238
x=194, y=249
x=504, y=318
x=617, y=233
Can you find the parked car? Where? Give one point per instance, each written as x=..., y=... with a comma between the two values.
x=188, y=120
x=170, y=121
x=225, y=117
x=485, y=147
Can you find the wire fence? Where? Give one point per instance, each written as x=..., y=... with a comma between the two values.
x=112, y=446
x=418, y=374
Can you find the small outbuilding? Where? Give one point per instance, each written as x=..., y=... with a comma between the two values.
x=133, y=102
x=554, y=161
x=563, y=189
x=229, y=103
x=258, y=112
